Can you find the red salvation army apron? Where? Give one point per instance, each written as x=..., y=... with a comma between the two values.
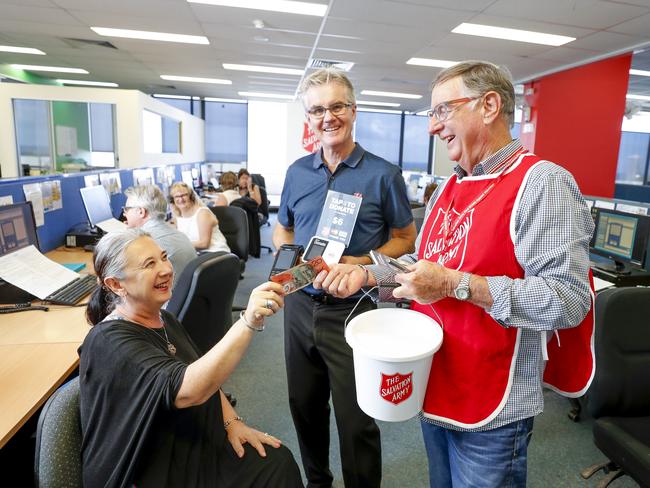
x=469, y=229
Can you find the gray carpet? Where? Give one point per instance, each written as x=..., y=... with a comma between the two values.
x=559, y=449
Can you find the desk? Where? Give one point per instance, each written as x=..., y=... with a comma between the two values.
x=38, y=350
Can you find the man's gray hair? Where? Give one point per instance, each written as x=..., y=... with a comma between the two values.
x=150, y=198
x=480, y=77
x=325, y=76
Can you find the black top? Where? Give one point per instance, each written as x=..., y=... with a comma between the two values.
x=132, y=433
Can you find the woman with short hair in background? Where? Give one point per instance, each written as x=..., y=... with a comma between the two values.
x=247, y=188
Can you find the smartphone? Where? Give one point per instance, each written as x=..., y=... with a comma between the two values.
x=287, y=257
x=382, y=259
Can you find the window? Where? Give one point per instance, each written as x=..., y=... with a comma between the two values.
x=632, y=158
x=415, y=150
x=102, y=144
x=379, y=133
x=185, y=105
x=226, y=132
x=32, y=121
x=171, y=135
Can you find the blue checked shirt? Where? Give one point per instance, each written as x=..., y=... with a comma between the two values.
x=553, y=226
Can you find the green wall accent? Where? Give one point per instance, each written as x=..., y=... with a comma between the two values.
x=26, y=76
x=73, y=116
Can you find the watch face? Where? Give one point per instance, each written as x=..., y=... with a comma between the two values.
x=462, y=293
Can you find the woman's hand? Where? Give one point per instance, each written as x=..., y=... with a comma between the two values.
x=239, y=434
x=265, y=300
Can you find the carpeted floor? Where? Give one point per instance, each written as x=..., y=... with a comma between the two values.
x=559, y=449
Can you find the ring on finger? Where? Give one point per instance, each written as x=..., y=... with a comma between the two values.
x=269, y=304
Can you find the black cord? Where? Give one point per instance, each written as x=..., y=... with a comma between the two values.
x=21, y=307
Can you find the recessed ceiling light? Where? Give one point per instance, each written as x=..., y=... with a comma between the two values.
x=434, y=63
x=22, y=50
x=228, y=100
x=150, y=36
x=264, y=69
x=264, y=95
x=194, y=79
x=175, y=97
x=390, y=94
x=363, y=109
x=286, y=6
x=512, y=34
x=56, y=69
x=88, y=83
x=639, y=72
x=637, y=97
x=378, y=104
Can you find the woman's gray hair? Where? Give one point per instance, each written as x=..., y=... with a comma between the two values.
x=150, y=198
x=323, y=77
x=480, y=77
x=109, y=260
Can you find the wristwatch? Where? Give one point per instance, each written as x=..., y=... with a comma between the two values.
x=461, y=292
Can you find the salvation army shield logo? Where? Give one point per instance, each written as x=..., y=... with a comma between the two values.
x=309, y=141
x=452, y=254
x=397, y=387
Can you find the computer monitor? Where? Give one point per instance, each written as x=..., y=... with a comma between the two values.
x=97, y=204
x=621, y=237
x=17, y=227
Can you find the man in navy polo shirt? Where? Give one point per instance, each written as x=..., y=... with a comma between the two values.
x=318, y=359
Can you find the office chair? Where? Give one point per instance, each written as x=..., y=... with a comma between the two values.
x=258, y=180
x=233, y=223
x=263, y=212
x=57, y=462
x=619, y=397
x=203, y=296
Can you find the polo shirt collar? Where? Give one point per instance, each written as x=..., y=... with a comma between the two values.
x=352, y=160
x=487, y=166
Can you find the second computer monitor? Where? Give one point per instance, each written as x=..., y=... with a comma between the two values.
x=622, y=237
x=97, y=204
x=17, y=227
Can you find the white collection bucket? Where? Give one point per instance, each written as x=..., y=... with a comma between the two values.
x=393, y=349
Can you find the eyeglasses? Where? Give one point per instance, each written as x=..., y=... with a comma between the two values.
x=335, y=109
x=126, y=209
x=442, y=110
x=180, y=196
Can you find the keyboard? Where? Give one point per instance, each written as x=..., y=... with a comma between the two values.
x=74, y=291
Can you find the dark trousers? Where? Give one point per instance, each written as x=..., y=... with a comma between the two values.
x=319, y=361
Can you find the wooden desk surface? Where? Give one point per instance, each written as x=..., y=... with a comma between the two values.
x=38, y=350
x=29, y=374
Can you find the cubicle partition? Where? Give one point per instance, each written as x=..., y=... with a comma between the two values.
x=57, y=222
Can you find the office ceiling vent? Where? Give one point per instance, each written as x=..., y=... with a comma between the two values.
x=84, y=43
x=315, y=63
x=156, y=88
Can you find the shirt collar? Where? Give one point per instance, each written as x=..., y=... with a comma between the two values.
x=352, y=160
x=488, y=165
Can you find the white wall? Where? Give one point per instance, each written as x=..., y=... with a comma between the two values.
x=128, y=114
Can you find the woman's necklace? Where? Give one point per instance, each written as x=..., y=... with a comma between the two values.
x=170, y=347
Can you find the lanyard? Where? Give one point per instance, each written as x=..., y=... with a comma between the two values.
x=448, y=228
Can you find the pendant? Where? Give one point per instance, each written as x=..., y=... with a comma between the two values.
x=171, y=348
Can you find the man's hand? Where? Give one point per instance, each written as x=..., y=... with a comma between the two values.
x=342, y=280
x=427, y=282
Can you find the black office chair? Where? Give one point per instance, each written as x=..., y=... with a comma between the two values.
x=619, y=397
x=263, y=212
x=258, y=180
x=57, y=462
x=203, y=296
x=233, y=223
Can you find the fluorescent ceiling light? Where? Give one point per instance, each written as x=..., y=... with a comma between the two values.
x=150, y=36
x=264, y=69
x=639, y=72
x=512, y=34
x=286, y=6
x=175, y=97
x=390, y=94
x=88, y=83
x=228, y=100
x=433, y=63
x=194, y=79
x=264, y=95
x=363, y=109
x=56, y=69
x=638, y=97
x=378, y=104
x=22, y=50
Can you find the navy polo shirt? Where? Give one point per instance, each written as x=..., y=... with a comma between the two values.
x=384, y=206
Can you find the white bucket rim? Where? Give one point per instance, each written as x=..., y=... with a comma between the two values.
x=349, y=337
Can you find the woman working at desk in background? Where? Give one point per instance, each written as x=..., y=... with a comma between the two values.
x=247, y=188
x=195, y=220
x=152, y=411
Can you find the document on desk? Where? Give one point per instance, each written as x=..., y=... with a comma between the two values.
x=111, y=225
x=29, y=270
x=601, y=284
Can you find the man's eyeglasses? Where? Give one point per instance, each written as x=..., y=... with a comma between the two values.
x=442, y=110
x=335, y=109
x=126, y=209
x=180, y=196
